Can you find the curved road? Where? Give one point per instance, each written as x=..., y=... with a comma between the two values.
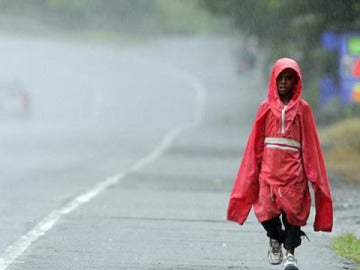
x=128, y=157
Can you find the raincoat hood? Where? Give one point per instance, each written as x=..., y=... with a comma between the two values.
x=276, y=105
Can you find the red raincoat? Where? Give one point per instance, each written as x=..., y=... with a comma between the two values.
x=283, y=152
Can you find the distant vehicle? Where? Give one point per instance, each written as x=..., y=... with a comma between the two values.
x=14, y=100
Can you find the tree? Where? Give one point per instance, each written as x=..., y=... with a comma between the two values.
x=291, y=27
x=295, y=24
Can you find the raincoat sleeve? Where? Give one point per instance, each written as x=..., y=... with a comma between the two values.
x=246, y=187
x=316, y=173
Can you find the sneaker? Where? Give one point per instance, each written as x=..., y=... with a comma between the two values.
x=290, y=262
x=275, y=255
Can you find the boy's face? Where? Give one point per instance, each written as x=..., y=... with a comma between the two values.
x=285, y=82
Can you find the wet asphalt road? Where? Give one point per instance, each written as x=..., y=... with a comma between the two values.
x=128, y=159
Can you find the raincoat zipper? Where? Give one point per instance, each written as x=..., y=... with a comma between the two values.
x=283, y=120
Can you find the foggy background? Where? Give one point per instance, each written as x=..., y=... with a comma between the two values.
x=122, y=125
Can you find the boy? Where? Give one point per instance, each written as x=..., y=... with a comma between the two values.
x=283, y=152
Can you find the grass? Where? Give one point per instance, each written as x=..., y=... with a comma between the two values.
x=342, y=148
x=347, y=245
x=342, y=155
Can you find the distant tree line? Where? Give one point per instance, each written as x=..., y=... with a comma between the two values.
x=282, y=27
x=122, y=16
x=287, y=24
x=291, y=27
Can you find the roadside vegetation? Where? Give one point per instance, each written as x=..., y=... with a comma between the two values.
x=348, y=246
x=119, y=18
x=298, y=34
x=342, y=148
x=342, y=154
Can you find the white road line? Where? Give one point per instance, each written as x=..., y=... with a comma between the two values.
x=15, y=250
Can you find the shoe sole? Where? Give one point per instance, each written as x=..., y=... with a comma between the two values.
x=291, y=267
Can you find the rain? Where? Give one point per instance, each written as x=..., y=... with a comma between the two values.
x=123, y=124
